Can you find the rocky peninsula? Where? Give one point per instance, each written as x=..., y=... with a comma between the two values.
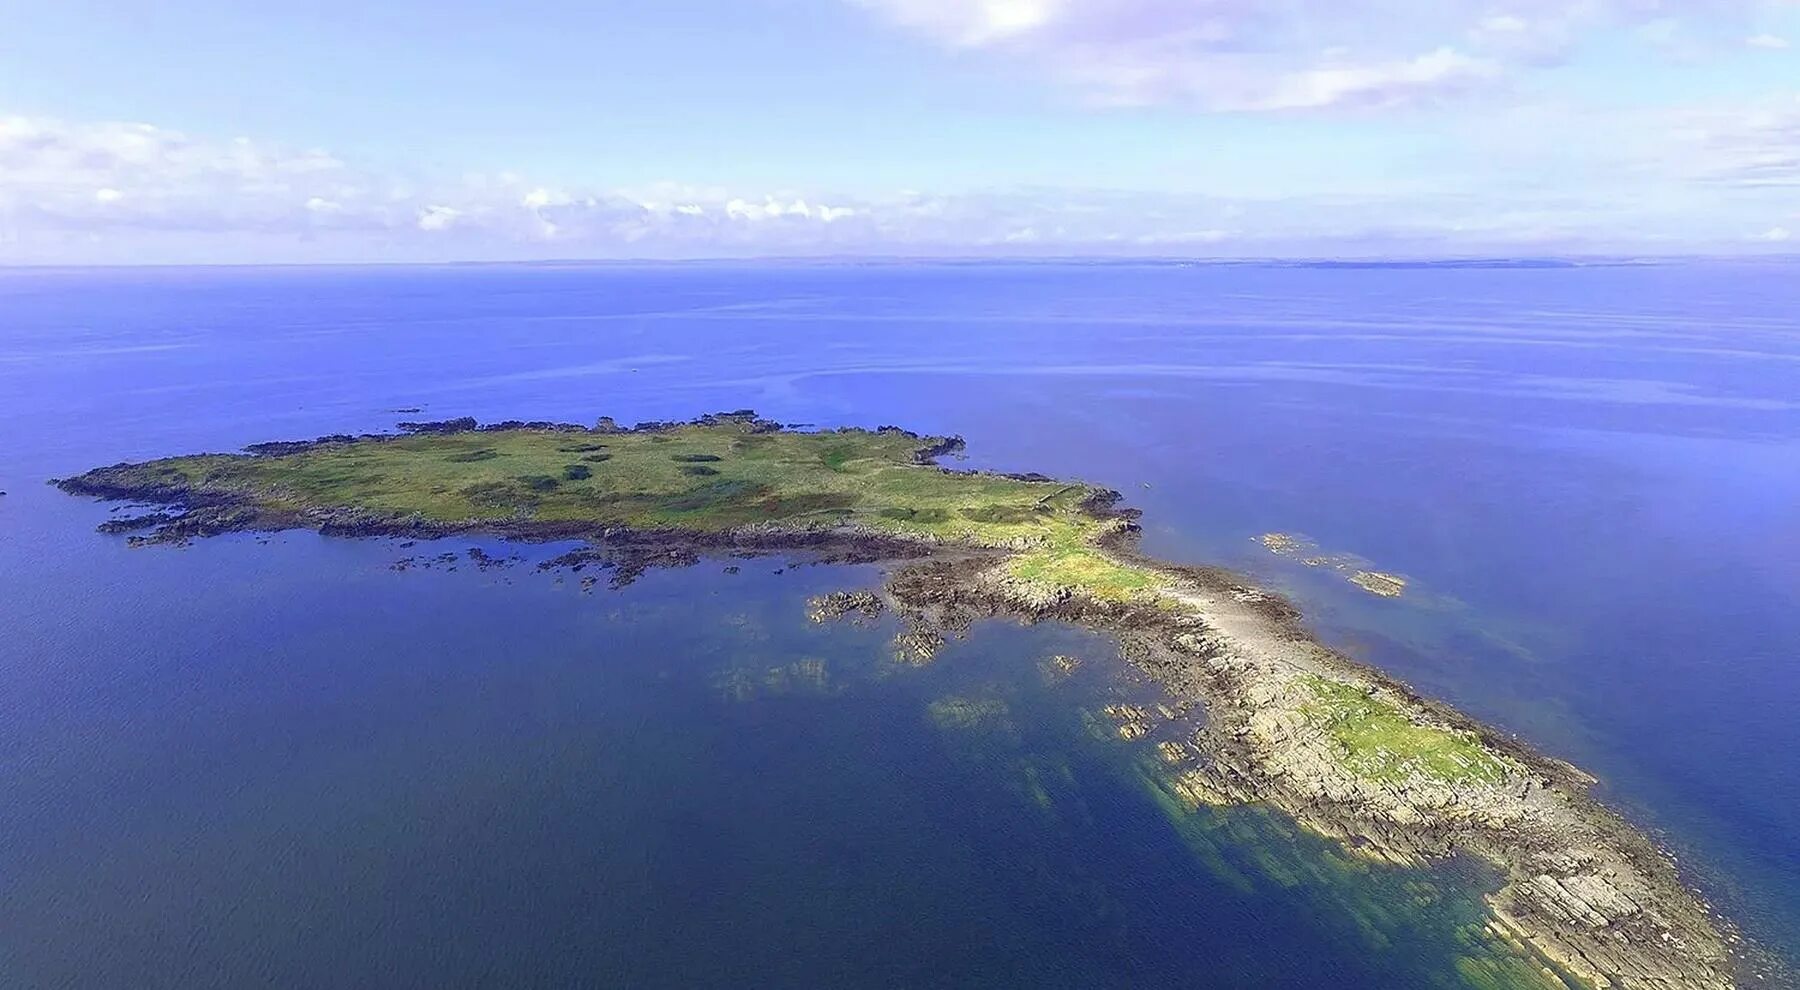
x=1344, y=749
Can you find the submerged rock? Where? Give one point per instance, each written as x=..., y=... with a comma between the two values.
x=917, y=646
x=1377, y=583
x=1353, y=568
x=860, y=607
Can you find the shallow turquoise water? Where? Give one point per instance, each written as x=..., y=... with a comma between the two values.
x=284, y=763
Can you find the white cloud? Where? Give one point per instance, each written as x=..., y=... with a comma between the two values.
x=438, y=217
x=1775, y=235
x=1298, y=54
x=973, y=22
x=67, y=182
x=1380, y=85
x=1753, y=146
x=1769, y=42
x=1188, y=237
x=72, y=191
x=772, y=208
x=54, y=172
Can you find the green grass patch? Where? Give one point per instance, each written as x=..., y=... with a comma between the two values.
x=838, y=456
x=907, y=513
x=1081, y=568
x=706, y=476
x=1002, y=513
x=714, y=497
x=488, y=497
x=1379, y=742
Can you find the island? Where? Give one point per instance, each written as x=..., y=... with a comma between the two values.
x=1344, y=749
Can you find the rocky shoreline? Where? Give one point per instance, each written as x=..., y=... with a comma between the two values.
x=1581, y=887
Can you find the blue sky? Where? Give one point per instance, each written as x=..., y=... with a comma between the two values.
x=211, y=131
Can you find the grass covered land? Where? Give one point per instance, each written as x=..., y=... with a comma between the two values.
x=730, y=473
x=715, y=475
x=1343, y=749
x=1379, y=742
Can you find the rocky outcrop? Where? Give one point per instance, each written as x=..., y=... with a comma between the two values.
x=463, y=424
x=1581, y=887
x=860, y=607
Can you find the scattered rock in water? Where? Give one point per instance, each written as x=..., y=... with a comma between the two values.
x=1059, y=667
x=1377, y=583
x=859, y=607
x=445, y=561
x=917, y=646
x=1131, y=721
x=488, y=562
x=970, y=713
x=131, y=524
x=1283, y=543
x=1354, y=569
x=807, y=676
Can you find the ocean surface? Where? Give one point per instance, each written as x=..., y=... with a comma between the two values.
x=279, y=761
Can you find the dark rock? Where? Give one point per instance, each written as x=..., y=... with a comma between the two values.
x=131, y=524
x=462, y=424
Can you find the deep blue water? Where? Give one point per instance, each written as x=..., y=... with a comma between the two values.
x=282, y=763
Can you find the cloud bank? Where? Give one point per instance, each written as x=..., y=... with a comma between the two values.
x=1253, y=55
x=127, y=192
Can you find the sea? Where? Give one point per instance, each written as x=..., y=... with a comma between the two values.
x=280, y=760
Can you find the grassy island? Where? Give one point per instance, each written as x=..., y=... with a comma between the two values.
x=1344, y=749
x=716, y=475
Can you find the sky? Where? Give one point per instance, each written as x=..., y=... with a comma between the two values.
x=214, y=132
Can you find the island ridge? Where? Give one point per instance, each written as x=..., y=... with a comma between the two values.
x=1346, y=750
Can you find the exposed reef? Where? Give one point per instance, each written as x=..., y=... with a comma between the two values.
x=1353, y=569
x=1344, y=749
x=858, y=607
x=1356, y=756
